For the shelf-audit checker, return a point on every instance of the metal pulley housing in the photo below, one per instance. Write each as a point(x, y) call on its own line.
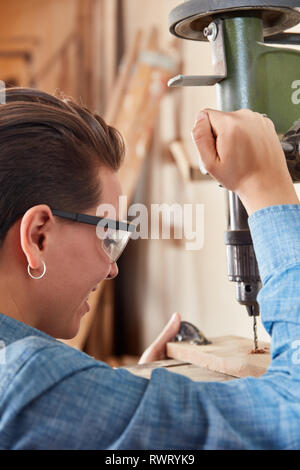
point(189, 19)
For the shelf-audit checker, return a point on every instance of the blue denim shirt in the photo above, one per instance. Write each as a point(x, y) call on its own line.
point(55, 397)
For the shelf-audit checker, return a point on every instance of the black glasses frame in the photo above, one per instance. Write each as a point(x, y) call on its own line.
point(93, 220)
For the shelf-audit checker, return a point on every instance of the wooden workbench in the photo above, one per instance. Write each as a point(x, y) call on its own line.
point(180, 367)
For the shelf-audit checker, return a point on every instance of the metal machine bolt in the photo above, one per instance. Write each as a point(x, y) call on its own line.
point(211, 31)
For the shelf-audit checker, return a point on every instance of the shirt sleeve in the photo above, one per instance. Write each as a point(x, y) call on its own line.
point(275, 232)
point(102, 408)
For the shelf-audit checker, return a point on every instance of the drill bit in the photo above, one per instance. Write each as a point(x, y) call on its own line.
point(255, 333)
point(253, 312)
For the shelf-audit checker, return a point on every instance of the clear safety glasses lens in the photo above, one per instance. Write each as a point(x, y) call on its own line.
point(113, 241)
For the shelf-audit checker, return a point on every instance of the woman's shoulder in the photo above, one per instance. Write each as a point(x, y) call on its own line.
point(41, 362)
point(48, 351)
point(25, 347)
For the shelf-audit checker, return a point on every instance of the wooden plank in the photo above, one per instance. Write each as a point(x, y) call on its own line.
point(85, 53)
point(179, 367)
point(202, 374)
point(122, 80)
point(136, 95)
point(184, 164)
point(97, 45)
point(140, 107)
point(227, 355)
point(178, 152)
point(109, 25)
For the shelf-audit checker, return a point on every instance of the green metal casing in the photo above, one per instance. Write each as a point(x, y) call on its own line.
point(260, 77)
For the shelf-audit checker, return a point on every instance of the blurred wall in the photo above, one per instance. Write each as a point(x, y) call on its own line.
point(32, 34)
point(60, 45)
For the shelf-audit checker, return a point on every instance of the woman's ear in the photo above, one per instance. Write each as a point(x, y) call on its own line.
point(34, 228)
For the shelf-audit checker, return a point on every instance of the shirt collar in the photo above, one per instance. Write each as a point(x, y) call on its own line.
point(13, 330)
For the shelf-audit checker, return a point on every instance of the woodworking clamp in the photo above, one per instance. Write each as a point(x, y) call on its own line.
point(250, 70)
point(190, 334)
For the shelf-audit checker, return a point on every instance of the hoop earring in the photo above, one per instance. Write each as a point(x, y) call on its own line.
point(38, 277)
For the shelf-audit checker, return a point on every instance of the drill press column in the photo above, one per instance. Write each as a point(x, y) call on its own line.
point(241, 90)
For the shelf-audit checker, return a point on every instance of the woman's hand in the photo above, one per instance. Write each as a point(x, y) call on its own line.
point(242, 151)
point(157, 350)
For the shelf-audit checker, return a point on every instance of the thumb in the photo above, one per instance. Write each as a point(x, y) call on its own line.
point(170, 330)
point(205, 141)
point(157, 350)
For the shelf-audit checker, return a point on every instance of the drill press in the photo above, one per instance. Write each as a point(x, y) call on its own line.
point(248, 73)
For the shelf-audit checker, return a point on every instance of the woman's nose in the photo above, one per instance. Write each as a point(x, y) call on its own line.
point(114, 271)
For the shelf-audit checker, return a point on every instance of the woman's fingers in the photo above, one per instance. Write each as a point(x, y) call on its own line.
point(242, 151)
point(205, 140)
point(157, 350)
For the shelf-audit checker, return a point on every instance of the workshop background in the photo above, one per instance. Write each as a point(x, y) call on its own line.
point(115, 57)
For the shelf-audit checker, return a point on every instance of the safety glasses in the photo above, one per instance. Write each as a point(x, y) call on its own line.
point(113, 234)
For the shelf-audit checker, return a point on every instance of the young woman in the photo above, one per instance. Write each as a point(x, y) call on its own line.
point(57, 160)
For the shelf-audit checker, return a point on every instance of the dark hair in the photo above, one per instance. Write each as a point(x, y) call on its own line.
point(50, 151)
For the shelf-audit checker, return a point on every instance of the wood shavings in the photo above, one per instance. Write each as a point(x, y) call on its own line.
point(263, 350)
